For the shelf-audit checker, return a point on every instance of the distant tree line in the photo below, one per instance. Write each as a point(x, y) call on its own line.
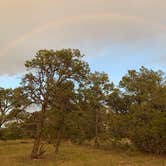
point(79, 105)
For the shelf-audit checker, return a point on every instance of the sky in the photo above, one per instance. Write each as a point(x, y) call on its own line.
point(114, 35)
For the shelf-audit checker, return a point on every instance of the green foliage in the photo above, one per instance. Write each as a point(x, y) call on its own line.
point(149, 129)
point(12, 131)
point(77, 105)
point(47, 84)
point(145, 119)
point(118, 126)
point(12, 103)
point(93, 96)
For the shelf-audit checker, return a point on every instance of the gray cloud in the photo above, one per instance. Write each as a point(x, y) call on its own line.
point(93, 26)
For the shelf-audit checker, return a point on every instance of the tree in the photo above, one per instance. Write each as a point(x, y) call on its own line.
point(12, 102)
point(144, 86)
point(94, 93)
point(6, 96)
point(48, 70)
point(119, 102)
point(59, 116)
point(146, 90)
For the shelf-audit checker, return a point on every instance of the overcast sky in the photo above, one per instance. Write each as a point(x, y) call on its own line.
point(115, 35)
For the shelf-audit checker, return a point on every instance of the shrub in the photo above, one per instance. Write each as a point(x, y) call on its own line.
point(148, 130)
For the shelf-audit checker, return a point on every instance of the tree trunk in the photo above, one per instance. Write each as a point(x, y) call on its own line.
point(96, 130)
point(37, 147)
point(58, 141)
point(59, 135)
point(1, 135)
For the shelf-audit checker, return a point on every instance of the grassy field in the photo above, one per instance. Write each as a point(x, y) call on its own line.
point(15, 153)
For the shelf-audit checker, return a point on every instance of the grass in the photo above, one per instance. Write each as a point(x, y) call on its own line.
point(15, 153)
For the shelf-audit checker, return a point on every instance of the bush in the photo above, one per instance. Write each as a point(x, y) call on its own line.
point(11, 132)
point(148, 130)
point(119, 125)
point(143, 126)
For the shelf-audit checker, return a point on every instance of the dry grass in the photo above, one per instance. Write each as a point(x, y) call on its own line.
point(15, 153)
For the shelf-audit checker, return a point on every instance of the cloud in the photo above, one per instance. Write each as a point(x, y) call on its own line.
point(94, 26)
